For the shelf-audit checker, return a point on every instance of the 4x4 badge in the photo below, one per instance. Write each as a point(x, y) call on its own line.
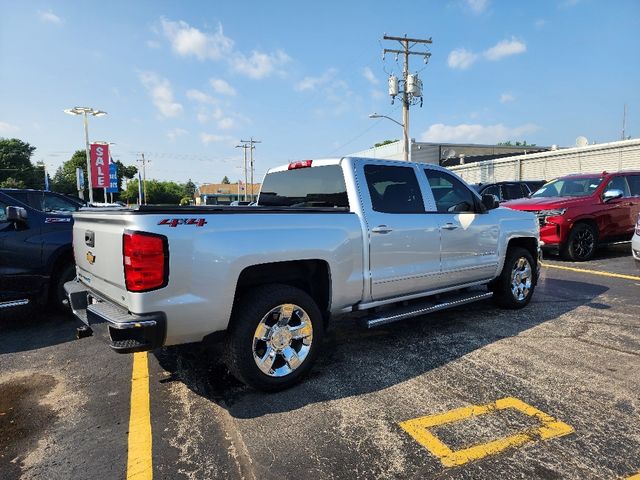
point(91, 258)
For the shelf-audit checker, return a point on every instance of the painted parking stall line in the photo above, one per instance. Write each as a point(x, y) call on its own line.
point(419, 429)
point(139, 460)
point(593, 272)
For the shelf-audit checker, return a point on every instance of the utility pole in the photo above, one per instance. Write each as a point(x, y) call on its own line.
point(624, 121)
point(412, 85)
point(250, 144)
point(144, 176)
point(244, 149)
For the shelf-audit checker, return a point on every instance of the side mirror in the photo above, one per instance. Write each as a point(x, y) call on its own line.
point(17, 215)
point(612, 194)
point(490, 201)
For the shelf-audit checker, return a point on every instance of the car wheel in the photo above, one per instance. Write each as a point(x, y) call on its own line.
point(514, 287)
point(274, 337)
point(58, 297)
point(581, 244)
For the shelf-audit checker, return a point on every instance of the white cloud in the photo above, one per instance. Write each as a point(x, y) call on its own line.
point(377, 94)
point(477, 6)
point(505, 48)
point(153, 44)
point(475, 133)
point(189, 41)
point(370, 76)
point(49, 17)
point(259, 65)
point(311, 83)
point(222, 87)
point(208, 138)
point(200, 97)
point(202, 117)
point(461, 59)
point(507, 97)
point(8, 129)
point(226, 123)
point(161, 94)
point(541, 22)
point(176, 132)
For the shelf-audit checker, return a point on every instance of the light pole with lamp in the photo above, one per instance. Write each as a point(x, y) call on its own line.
point(85, 111)
point(405, 134)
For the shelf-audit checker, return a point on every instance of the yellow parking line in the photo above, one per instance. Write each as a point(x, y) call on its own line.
point(634, 477)
point(139, 465)
point(418, 428)
point(593, 272)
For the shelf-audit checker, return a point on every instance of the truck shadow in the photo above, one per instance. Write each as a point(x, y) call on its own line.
point(32, 327)
point(356, 361)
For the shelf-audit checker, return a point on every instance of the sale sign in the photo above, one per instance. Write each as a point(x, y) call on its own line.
point(99, 155)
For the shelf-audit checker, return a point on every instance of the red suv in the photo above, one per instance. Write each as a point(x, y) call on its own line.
point(578, 212)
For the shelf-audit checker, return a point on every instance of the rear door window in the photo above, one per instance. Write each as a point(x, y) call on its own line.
point(393, 189)
point(511, 191)
point(53, 203)
point(619, 183)
point(305, 187)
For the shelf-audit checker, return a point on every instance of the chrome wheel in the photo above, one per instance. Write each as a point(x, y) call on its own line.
point(282, 340)
point(521, 278)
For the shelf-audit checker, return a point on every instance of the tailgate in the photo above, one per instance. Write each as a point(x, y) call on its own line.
point(97, 247)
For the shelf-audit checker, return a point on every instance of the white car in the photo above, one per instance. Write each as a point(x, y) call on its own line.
point(635, 243)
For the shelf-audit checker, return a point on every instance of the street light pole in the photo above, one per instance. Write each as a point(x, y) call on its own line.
point(85, 112)
point(405, 133)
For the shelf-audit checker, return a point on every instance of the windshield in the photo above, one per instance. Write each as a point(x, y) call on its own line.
point(569, 187)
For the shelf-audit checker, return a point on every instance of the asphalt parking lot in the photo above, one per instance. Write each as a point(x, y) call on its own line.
point(551, 391)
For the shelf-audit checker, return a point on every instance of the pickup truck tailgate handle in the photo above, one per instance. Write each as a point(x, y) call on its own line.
point(449, 226)
point(381, 229)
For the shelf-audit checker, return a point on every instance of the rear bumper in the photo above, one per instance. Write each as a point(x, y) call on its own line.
point(128, 332)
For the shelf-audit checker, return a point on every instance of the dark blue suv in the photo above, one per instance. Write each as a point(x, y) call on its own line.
point(36, 257)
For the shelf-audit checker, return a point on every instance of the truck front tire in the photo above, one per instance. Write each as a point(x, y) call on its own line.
point(514, 287)
point(274, 337)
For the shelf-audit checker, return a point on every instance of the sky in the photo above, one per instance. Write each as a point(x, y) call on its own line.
point(185, 81)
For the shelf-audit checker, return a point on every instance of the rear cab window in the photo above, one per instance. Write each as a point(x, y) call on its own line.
point(322, 186)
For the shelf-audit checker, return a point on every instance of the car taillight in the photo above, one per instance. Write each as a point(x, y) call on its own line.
point(146, 261)
point(300, 164)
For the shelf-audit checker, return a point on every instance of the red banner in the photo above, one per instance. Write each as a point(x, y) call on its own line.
point(99, 155)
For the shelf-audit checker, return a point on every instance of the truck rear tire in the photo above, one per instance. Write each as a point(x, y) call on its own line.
point(514, 287)
point(274, 337)
point(57, 296)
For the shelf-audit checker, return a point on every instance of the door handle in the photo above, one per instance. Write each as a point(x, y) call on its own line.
point(449, 226)
point(381, 229)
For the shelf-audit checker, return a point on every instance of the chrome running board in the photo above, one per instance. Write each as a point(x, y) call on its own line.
point(423, 308)
point(14, 303)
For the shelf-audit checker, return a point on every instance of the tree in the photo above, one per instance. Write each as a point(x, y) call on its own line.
point(169, 193)
point(16, 169)
point(225, 180)
point(386, 142)
point(125, 171)
point(64, 180)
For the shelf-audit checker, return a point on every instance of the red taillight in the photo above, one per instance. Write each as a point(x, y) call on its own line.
point(146, 261)
point(300, 164)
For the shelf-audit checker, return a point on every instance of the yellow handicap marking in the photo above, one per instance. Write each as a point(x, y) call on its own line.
point(418, 428)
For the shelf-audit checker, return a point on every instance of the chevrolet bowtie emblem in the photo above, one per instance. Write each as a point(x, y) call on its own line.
point(91, 258)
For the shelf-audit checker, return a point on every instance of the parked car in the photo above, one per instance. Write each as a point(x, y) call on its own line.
point(505, 191)
point(579, 212)
point(327, 237)
point(35, 246)
point(635, 243)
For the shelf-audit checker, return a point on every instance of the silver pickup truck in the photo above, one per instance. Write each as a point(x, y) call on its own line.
point(389, 239)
